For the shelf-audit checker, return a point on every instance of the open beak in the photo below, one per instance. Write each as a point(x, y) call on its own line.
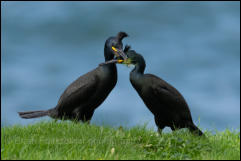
point(120, 57)
point(119, 52)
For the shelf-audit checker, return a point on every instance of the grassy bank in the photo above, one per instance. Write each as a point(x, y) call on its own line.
point(65, 140)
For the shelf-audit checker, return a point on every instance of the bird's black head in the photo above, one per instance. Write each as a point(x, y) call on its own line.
point(133, 57)
point(113, 46)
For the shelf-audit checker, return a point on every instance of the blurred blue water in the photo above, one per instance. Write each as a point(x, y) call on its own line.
point(195, 46)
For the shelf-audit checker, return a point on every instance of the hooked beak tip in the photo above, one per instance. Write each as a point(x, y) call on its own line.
point(120, 61)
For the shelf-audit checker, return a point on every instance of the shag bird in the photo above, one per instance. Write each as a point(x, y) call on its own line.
point(80, 99)
point(164, 101)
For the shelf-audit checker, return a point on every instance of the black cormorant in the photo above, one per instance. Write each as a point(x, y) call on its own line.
point(163, 100)
point(80, 99)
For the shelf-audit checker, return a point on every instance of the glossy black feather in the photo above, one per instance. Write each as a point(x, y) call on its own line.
point(164, 101)
point(81, 98)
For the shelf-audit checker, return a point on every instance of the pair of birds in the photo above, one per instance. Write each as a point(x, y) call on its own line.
point(80, 99)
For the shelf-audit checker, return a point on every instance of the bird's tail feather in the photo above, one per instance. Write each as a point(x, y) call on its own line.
point(193, 128)
point(33, 114)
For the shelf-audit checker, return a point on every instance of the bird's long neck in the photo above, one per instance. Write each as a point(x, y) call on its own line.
point(139, 68)
point(107, 53)
point(137, 73)
point(111, 67)
point(109, 56)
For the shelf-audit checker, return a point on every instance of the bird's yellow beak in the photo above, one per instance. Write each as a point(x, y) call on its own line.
point(126, 62)
point(120, 61)
point(113, 48)
point(115, 51)
point(119, 52)
point(121, 57)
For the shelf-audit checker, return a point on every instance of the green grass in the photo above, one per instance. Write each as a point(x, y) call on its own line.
point(66, 140)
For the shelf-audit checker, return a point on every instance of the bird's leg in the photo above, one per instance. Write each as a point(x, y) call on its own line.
point(159, 125)
point(88, 122)
point(173, 128)
point(159, 130)
point(85, 119)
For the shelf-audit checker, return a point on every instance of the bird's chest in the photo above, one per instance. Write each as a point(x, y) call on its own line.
point(106, 83)
point(145, 91)
point(141, 88)
point(108, 79)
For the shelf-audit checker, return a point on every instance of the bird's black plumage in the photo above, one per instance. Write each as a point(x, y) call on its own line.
point(84, 95)
point(163, 100)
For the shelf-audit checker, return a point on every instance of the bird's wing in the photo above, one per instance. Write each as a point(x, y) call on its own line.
point(161, 87)
point(167, 94)
point(80, 90)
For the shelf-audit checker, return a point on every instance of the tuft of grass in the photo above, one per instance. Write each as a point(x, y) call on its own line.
point(68, 140)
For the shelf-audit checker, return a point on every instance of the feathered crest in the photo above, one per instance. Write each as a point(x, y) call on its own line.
point(121, 35)
point(127, 48)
